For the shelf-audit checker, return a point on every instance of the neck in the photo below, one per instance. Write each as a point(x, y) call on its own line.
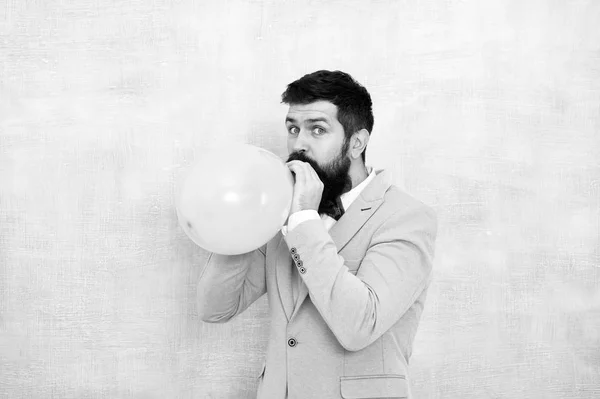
point(358, 173)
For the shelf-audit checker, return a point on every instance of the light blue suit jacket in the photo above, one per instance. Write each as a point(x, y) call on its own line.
point(350, 334)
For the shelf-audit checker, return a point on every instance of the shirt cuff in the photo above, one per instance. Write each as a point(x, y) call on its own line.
point(298, 217)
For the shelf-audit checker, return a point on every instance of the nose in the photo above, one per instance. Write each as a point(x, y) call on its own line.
point(300, 143)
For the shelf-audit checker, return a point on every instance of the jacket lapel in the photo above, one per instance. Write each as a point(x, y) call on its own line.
point(353, 219)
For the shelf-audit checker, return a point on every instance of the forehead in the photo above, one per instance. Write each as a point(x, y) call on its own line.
point(317, 109)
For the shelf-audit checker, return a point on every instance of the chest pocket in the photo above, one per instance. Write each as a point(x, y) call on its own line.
point(389, 386)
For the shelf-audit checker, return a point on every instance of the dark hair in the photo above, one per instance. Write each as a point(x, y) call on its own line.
point(351, 98)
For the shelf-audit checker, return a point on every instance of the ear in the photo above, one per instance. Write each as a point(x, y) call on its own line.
point(359, 142)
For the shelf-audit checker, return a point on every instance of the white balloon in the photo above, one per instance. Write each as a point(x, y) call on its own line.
point(234, 199)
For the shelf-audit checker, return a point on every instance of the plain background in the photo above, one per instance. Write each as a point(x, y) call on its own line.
point(487, 110)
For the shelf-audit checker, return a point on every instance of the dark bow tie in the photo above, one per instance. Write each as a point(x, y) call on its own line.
point(333, 208)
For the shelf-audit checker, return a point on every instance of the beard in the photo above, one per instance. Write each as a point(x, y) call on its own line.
point(334, 175)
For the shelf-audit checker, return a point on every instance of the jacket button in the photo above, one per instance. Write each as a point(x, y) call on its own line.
point(296, 257)
point(302, 270)
point(299, 263)
point(292, 342)
point(293, 250)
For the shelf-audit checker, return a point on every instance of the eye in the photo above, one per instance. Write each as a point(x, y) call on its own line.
point(293, 130)
point(318, 130)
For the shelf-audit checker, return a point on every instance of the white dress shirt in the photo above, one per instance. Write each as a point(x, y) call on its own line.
point(298, 217)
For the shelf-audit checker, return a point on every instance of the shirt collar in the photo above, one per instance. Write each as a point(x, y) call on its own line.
point(349, 197)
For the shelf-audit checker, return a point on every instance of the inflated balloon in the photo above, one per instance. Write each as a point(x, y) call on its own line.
point(234, 199)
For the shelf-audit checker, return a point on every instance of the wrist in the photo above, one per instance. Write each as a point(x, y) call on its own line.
point(303, 208)
point(301, 216)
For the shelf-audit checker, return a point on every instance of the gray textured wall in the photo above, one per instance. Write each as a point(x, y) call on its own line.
point(487, 110)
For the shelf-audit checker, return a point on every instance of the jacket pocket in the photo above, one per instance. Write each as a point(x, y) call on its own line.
point(389, 386)
point(260, 381)
point(262, 370)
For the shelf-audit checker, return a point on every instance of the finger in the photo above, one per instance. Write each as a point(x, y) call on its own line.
point(299, 171)
point(295, 162)
point(309, 175)
point(311, 172)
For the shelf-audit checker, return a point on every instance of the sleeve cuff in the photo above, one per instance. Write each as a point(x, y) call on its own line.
point(298, 217)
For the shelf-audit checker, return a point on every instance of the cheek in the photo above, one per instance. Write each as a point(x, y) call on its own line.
point(324, 159)
point(332, 152)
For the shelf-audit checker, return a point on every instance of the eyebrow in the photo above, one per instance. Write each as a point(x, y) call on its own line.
point(312, 120)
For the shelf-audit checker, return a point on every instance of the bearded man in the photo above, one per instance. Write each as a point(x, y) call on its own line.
point(347, 276)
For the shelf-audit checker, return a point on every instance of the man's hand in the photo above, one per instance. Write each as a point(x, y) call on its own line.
point(308, 188)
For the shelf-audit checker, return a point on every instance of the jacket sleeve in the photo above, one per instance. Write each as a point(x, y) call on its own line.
point(394, 271)
point(229, 284)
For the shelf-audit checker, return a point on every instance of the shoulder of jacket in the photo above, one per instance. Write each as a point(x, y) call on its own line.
point(398, 200)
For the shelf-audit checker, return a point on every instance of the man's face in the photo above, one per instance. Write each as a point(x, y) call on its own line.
point(316, 136)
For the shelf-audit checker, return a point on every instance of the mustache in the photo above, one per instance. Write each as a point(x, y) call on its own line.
point(298, 156)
